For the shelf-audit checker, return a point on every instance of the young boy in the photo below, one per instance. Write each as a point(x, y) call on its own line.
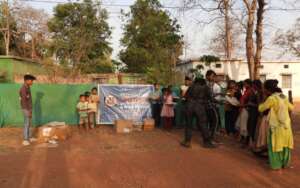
point(94, 95)
point(82, 108)
point(94, 106)
point(26, 105)
point(90, 110)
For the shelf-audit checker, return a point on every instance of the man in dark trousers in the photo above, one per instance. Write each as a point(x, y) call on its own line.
point(197, 98)
point(183, 90)
point(26, 105)
point(212, 110)
point(155, 99)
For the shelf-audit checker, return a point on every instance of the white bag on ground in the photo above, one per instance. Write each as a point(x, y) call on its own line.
point(55, 123)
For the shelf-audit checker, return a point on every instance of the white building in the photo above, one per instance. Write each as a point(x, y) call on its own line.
point(287, 73)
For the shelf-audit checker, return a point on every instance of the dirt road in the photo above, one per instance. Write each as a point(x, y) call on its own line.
point(101, 159)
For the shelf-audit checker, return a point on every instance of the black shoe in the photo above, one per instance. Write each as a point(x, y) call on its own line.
point(209, 145)
point(186, 144)
point(216, 142)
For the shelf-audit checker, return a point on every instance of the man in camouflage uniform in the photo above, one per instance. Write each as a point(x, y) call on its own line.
point(197, 98)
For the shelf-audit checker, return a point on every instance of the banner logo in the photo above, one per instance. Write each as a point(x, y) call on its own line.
point(110, 101)
point(124, 102)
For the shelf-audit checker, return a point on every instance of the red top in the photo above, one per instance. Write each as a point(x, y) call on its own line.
point(245, 97)
point(25, 96)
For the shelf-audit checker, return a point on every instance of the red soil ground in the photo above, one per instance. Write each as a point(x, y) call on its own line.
point(101, 158)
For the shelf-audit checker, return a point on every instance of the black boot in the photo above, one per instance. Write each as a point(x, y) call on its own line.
point(209, 145)
point(186, 144)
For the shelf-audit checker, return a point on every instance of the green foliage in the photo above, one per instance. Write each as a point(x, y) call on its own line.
point(80, 35)
point(118, 66)
point(208, 59)
point(192, 70)
point(100, 66)
point(197, 72)
point(159, 73)
point(151, 39)
point(199, 67)
point(3, 77)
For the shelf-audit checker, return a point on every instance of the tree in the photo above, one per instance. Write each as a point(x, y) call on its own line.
point(2, 46)
point(218, 43)
point(33, 23)
point(24, 24)
point(118, 66)
point(80, 34)
point(254, 50)
point(255, 10)
point(6, 22)
point(219, 11)
point(228, 29)
point(197, 72)
point(9, 39)
point(208, 59)
point(259, 37)
point(103, 66)
point(152, 43)
point(251, 6)
point(289, 40)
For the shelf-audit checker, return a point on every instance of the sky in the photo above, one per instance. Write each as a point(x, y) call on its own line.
point(197, 36)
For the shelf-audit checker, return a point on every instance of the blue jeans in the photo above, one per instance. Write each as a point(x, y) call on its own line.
point(27, 124)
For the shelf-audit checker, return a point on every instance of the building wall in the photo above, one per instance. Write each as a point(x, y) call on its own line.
point(238, 70)
point(277, 70)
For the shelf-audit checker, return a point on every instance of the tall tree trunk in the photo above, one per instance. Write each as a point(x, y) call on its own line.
point(7, 42)
point(33, 52)
point(7, 34)
point(259, 37)
point(228, 38)
point(249, 36)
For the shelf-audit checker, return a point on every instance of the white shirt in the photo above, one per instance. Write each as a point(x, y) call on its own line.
point(217, 90)
point(184, 89)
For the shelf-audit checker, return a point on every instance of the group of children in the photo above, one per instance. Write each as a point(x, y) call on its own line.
point(259, 114)
point(255, 113)
point(87, 108)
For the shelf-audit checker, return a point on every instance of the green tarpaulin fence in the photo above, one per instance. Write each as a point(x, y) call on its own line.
point(51, 102)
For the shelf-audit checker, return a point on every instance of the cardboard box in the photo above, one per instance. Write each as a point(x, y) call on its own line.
point(138, 127)
point(58, 133)
point(149, 125)
point(123, 126)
